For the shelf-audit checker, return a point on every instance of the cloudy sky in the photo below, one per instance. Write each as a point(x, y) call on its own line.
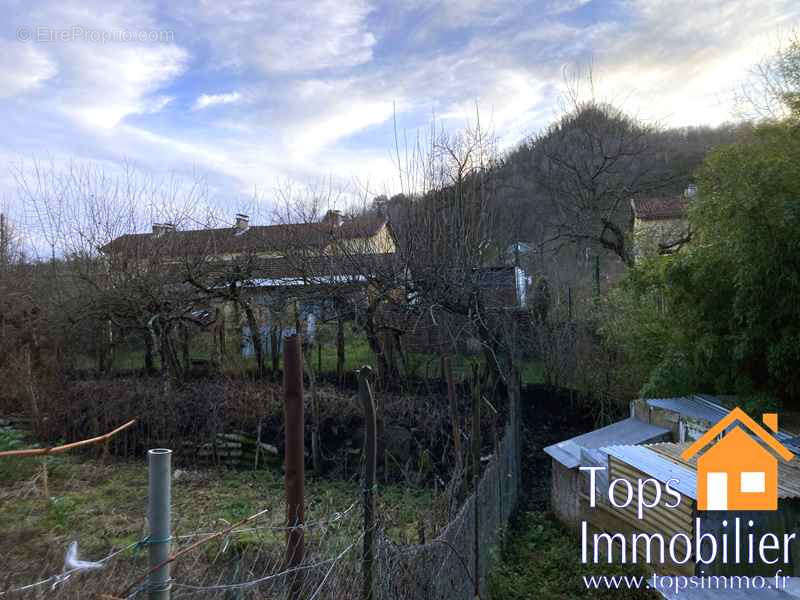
point(254, 93)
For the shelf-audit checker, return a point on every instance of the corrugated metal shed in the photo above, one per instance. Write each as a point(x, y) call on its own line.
point(699, 412)
point(697, 406)
point(637, 463)
point(788, 472)
point(627, 431)
point(657, 466)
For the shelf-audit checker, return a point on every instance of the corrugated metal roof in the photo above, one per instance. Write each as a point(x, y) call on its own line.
point(657, 466)
point(788, 472)
point(790, 593)
point(696, 406)
point(627, 431)
point(710, 409)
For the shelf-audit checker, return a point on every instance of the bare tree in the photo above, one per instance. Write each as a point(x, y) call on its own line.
point(584, 170)
point(109, 274)
point(772, 90)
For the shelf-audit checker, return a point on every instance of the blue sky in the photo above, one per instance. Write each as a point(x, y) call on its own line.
point(253, 94)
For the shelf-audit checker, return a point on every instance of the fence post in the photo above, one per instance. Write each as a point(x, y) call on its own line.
point(476, 470)
point(597, 275)
point(451, 397)
point(340, 350)
point(295, 467)
point(159, 462)
point(369, 478)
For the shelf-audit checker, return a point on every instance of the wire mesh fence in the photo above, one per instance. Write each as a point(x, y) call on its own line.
point(250, 560)
point(245, 562)
point(452, 565)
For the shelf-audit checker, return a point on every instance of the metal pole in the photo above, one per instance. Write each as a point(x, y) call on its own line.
point(369, 478)
point(295, 467)
point(160, 515)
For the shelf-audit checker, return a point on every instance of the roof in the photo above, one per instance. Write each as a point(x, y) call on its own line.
point(654, 209)
point(657, 466)
point(737, 414)
point(788, 472)
point(696, 406)
point(232, 240)
point(709, 408)
point(627, 431)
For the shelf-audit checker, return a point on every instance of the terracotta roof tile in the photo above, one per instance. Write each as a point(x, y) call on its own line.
point(229, 240)
point(653, 209)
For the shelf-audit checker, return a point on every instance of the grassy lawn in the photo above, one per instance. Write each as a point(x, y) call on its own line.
point(541, 559)
point(103, 507)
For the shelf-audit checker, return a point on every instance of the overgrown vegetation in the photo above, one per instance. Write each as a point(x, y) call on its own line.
point(540, 559)
point(103, 506)
point(722, 316)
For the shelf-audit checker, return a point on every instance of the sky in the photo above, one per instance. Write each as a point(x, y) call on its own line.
point(252, 95)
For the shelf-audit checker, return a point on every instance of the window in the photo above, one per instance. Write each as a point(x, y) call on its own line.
point(753, 482)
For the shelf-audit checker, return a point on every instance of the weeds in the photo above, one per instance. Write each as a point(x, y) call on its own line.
point(540, 559)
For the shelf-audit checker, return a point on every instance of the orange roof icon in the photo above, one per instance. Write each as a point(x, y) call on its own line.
point(737, 414)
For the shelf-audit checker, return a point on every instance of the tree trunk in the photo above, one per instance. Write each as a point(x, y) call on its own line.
point(275, 350)
point(149, 366)
point(316, 459)
point(169, 358)
point(219, 340)
point(373, 339)
point(398, 342)
point(255, 336)
point(187, 362)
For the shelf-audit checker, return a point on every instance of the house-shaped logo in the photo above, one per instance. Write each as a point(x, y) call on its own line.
point(738, 472)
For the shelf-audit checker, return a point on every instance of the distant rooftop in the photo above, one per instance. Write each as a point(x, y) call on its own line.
point(654, 209)
point(245, 237)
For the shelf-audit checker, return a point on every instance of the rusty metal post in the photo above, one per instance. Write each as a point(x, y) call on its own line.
point(295, 467)
point(371, 449)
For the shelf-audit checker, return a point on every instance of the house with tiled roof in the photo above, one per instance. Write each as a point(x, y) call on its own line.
point(270, 265)
point(660, 224)
point(331, 235)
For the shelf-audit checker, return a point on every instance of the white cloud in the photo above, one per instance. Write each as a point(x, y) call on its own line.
point(23, 68)
point(250, 92)
point(206, 100)
point(283, 36)
point(90, 95)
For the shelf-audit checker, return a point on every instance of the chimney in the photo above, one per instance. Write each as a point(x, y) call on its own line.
point(242, 222)
point(333, 217)
point(771, 421)
point(160, 229)
point(691, 191)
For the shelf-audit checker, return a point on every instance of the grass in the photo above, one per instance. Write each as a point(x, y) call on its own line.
point(357, 354)
point(103, 506)
point(541, 559)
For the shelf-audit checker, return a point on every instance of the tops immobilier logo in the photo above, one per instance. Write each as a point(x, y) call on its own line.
point(739, 471)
